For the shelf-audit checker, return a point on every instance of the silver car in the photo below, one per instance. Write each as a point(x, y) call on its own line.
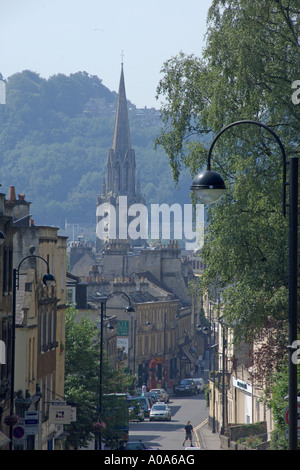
point(160, 412)
point(161, 392)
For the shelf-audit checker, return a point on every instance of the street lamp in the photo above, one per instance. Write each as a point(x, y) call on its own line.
point(208, 187)
point(48, 280)
point(128, 309)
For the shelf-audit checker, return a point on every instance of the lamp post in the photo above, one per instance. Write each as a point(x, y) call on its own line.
point(209, 187)
point(129, 309)
point(224, 370)
point(48, 279)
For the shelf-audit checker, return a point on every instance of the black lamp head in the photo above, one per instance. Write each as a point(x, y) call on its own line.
point(208, 187)
point(130, 309)
point(48, 279)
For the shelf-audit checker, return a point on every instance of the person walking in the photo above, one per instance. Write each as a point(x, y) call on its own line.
point(188, 433)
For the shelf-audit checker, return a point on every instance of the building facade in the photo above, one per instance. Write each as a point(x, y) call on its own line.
point(37, 353)
point(6, 319)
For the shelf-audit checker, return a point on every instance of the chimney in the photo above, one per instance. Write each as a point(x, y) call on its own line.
point(12, 194)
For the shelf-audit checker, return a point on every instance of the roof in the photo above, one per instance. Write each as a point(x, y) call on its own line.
point(137, 297)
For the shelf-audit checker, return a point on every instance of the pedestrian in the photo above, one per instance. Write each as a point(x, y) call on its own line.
point(144, 389)
point(188, 433)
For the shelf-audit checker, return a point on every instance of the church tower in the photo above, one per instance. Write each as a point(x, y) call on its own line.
point(121, 157)
point(121, 169)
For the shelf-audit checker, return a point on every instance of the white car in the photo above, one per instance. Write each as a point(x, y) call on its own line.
point(200, 384)
point(163, 395)
point(160, 412)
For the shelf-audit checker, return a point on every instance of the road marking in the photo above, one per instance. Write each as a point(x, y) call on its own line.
point(196, 429)
point(201, 425)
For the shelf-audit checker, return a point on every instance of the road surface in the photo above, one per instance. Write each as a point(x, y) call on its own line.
point(162, 435)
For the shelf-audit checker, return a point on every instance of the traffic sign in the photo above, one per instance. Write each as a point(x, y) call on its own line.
point(18, 432)
point(286, 416)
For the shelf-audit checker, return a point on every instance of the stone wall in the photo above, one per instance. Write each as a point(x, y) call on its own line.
point(235, 433)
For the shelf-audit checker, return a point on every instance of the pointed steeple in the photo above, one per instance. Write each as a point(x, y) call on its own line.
point(121, 139)
point(121, 157)
point(120, 179)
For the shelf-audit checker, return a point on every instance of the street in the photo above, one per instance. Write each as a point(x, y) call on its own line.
point(170, 435)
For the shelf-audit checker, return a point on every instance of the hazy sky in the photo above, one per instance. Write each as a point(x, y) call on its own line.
point(68, 36)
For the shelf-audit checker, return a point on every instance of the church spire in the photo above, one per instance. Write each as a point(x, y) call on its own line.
point(121, 138)
point(120, 178)
point(121, 157)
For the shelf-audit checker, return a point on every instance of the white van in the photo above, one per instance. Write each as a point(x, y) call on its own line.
point(200, 384)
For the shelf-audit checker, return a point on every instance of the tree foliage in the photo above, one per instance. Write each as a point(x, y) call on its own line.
point(276, 398)
point(248, 66)
point(82, 371)
point(55, 153)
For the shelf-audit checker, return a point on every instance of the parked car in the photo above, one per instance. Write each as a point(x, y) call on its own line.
point(136, 412)
point(145, 404)
point(153, 397)
point(156, 394)
point(160, 412)
point(135, 445)
point(163, 395)
point(200, 384)
point(186, 387)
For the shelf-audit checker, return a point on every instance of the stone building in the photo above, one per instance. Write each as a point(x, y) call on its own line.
point(6, 319)
point(39, 327)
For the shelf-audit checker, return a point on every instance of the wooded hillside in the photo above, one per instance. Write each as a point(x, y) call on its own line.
point(54, 149)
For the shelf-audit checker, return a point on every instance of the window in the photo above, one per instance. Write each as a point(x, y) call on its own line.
point(70, 295)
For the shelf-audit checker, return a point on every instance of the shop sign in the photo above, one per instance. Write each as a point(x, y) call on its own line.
point(123, 328)
point(60, 413)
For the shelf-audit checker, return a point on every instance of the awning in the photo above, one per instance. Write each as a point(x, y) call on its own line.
point(4, 440)
point(188, 354)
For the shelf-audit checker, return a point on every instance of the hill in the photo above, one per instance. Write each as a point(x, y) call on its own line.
point(54, 138)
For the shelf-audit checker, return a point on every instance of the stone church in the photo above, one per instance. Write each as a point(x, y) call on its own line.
point(120, 179)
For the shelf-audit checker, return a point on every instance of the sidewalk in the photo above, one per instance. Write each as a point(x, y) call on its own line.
point(208, 439)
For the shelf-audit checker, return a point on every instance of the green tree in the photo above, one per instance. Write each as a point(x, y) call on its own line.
point(82, 377)
point(249, 63)
point(276, 398)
